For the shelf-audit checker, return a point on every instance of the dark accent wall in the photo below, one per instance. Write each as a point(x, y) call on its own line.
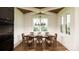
point(6, 28)
point(7, 13)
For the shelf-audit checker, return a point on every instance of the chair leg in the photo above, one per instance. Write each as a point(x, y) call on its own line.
point(23, 46)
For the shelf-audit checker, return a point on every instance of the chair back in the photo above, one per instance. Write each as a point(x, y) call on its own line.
point(31, 33)
point(46, 34)
point(56, 36)
point(22, 35)
point(39, 38)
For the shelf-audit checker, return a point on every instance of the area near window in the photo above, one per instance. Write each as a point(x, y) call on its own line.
point(68, 24)
point(40, 25)
point(62, 23)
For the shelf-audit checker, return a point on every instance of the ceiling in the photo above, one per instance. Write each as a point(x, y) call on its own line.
point(24, 10)
point(56, 10)
point(43, 9)
point(40, 7)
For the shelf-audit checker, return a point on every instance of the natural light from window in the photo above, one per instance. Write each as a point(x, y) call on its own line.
point(62, 23)
point(68, 24)
point(40, 25)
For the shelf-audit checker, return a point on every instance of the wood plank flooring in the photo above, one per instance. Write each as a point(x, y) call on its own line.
point(59, 47)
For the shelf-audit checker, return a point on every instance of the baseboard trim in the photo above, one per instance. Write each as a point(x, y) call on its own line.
point(15, 45)
point(63, 45)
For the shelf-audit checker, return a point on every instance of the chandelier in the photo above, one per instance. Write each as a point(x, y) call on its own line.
point(40, 17)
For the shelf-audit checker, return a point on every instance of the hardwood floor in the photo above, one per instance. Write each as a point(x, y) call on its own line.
point(59, 47)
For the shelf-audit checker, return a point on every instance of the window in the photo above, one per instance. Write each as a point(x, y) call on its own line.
point(40, 24)
point(44, 24)
point(68, 24)
point(36, 26)
point(62, 23)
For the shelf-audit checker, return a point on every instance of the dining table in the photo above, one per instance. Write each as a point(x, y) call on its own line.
point(44, 37)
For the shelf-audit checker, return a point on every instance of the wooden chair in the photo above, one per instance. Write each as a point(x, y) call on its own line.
point(24, 41)
point(55, 40)
point(30, 41)
point(48, 41)
point(22, 35)
point(46, 33)
point(39, 41)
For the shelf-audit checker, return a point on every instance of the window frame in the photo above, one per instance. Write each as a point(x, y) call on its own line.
point(62, 24)
point(68, 25)
point(40, 25)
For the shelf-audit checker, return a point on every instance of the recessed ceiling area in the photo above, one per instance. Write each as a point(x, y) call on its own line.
point(24, 10)
point(56, 10)
point(38, 9)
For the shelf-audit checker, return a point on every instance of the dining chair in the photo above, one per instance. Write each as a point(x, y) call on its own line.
point(24, 41)
point(31, 34)
point(55, 40)
point(30, 41)
point(39, 42)
point(48, 41)
point(22, 35)
point(46, 33)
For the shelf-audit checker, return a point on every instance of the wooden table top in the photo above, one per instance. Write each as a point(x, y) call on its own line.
point(38, 36)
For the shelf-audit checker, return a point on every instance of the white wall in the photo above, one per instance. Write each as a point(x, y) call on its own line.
point(76, 36)
point(52, 22)
point(28, 23)
point(18, 26)
point(69, 41)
